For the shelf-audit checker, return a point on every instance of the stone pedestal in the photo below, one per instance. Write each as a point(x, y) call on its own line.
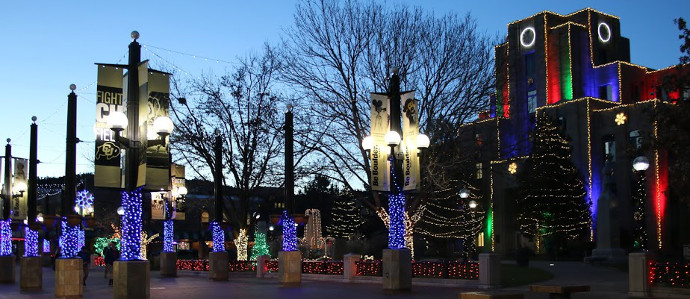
point(168, 261)
point(608, 256)
point(350, 266)
point(397, 269)
point(290, 268)
point(30, 274)
point(489, 271)
point(638, 274)
point(218, 266)
point(261, 267)
point(68, 278)
point(131, 279)
point(7, 269)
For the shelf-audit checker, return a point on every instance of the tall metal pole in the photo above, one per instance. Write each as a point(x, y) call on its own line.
point(218, 178)
point(70, 193)
point(289, 163)
point(33, 175)
point(6, 190)
point(395, 124)
point(132, 158)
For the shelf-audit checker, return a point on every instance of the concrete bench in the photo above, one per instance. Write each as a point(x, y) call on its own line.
point(558, 291)
point(491, 295)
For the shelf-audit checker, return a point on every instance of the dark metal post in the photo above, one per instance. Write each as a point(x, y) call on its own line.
point(395, 124)
point(8, 180)
point(133, 152)
point(289, 163)
point(218, 178)
point(33, 175)
point(70, 193)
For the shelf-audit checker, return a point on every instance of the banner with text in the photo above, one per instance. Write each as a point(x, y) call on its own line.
point(410, 127)
point(380, 170)
point(109, 98)
point(157, 155)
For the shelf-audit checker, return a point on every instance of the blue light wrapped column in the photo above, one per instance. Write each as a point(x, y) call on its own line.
point(218, 237)
point(30, 242)
point(131, 225)
point(289, 232)
point(396, 212)
point(168, 227)
point(69, 240)
point(5, 237)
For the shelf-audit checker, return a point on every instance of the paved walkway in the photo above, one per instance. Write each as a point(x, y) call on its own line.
point(605, 282)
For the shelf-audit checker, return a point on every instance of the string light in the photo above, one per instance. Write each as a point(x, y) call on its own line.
point(46, 246)
point(131, 225)
point(30, 242)
point(322, 267)
point(218, 237)
point(69, 239)
point(168, 227)
point(5, 237)
point(241, 244)
point(145, 240)
point(260, 246)
point(84, 199)
point(289, 232)
point(81, 239)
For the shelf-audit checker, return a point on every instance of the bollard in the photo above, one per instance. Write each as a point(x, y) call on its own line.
point(638, 274)
point(489, 271)
point(350, 266)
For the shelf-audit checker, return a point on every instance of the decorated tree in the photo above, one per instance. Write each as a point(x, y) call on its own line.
point(344, 218)
point(552, 203)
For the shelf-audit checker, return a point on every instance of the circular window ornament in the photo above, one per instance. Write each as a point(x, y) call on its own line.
point(528, 37)
point(604, 32)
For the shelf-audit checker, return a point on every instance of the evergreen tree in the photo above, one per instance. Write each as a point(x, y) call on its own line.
point(260, 246)
point(344, 218)
point(553, 200)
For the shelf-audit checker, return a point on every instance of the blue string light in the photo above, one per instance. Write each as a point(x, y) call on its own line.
point(81, 239)
point(30, 242)
point(218, 237)
point(5, 237)
point(131, 225)
point(69, 239)
point(168, 236)
point(289, 232)
point(46, 246)
point(84, 199)
point(396, 213)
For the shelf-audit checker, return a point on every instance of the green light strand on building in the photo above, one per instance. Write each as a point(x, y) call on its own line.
point(566, 70)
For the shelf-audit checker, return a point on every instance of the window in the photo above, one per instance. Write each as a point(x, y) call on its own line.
point(204, 217)
point(610, 147)
point(606, 92)
point(532, 101)
point(478, 139)
point(480, 239)
point(635, 139)
point(479, 171)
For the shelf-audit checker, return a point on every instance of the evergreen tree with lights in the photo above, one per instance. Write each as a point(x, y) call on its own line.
point(553, 203)
point(344, 218)
point(260, 246)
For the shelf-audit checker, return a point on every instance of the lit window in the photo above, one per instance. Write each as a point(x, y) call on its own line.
point(479, 171)
point(480, 239)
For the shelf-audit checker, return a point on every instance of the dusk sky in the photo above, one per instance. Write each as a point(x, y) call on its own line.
point(47, 45)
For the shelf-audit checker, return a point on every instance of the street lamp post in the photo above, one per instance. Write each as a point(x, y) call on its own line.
point(218, 259)
point(7, 260)
point(640, 165)
point(31, 272)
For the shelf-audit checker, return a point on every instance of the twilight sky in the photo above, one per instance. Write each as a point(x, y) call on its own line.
point(48, 45)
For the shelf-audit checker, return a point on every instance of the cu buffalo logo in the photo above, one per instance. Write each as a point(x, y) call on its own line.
point(108, 151)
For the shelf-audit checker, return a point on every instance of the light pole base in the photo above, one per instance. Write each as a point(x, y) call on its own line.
point(168, 262)
point(30, 274)
point(290, 268)
point(397, 269)
point(218, 266)
point(68, 278)
point(131, 279)
point(7, 269)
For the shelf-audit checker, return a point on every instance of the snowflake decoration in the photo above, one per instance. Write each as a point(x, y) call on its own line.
point(621, 118)
point(512, 168)
point(84, 199)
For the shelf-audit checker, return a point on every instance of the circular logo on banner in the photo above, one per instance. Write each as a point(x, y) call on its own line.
point(604, 32)
point(527, 37)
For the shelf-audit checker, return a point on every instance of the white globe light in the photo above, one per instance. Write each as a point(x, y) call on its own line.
point(163, 125)
point(271, 228)
point(182, 190)
point(117, 121)
point(473, 204)
point(392, 138)
point(367, 143)
point(20, 187)
point(39, 218)
point(641, 163)
point(464, 193)
point(422, 141)
point(120, 211)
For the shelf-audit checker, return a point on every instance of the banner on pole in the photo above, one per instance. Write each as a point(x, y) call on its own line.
point(177, 182)
point(378, 156)
point(19, 208)
point(157, 156)
point(109, 98)
point(410, 127)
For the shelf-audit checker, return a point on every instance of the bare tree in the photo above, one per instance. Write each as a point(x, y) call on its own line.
point(339, 52)
point(242, 106)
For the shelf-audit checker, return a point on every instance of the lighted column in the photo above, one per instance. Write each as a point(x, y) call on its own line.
point(31, 271)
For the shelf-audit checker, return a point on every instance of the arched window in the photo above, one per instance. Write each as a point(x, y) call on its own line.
point(204, 217)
